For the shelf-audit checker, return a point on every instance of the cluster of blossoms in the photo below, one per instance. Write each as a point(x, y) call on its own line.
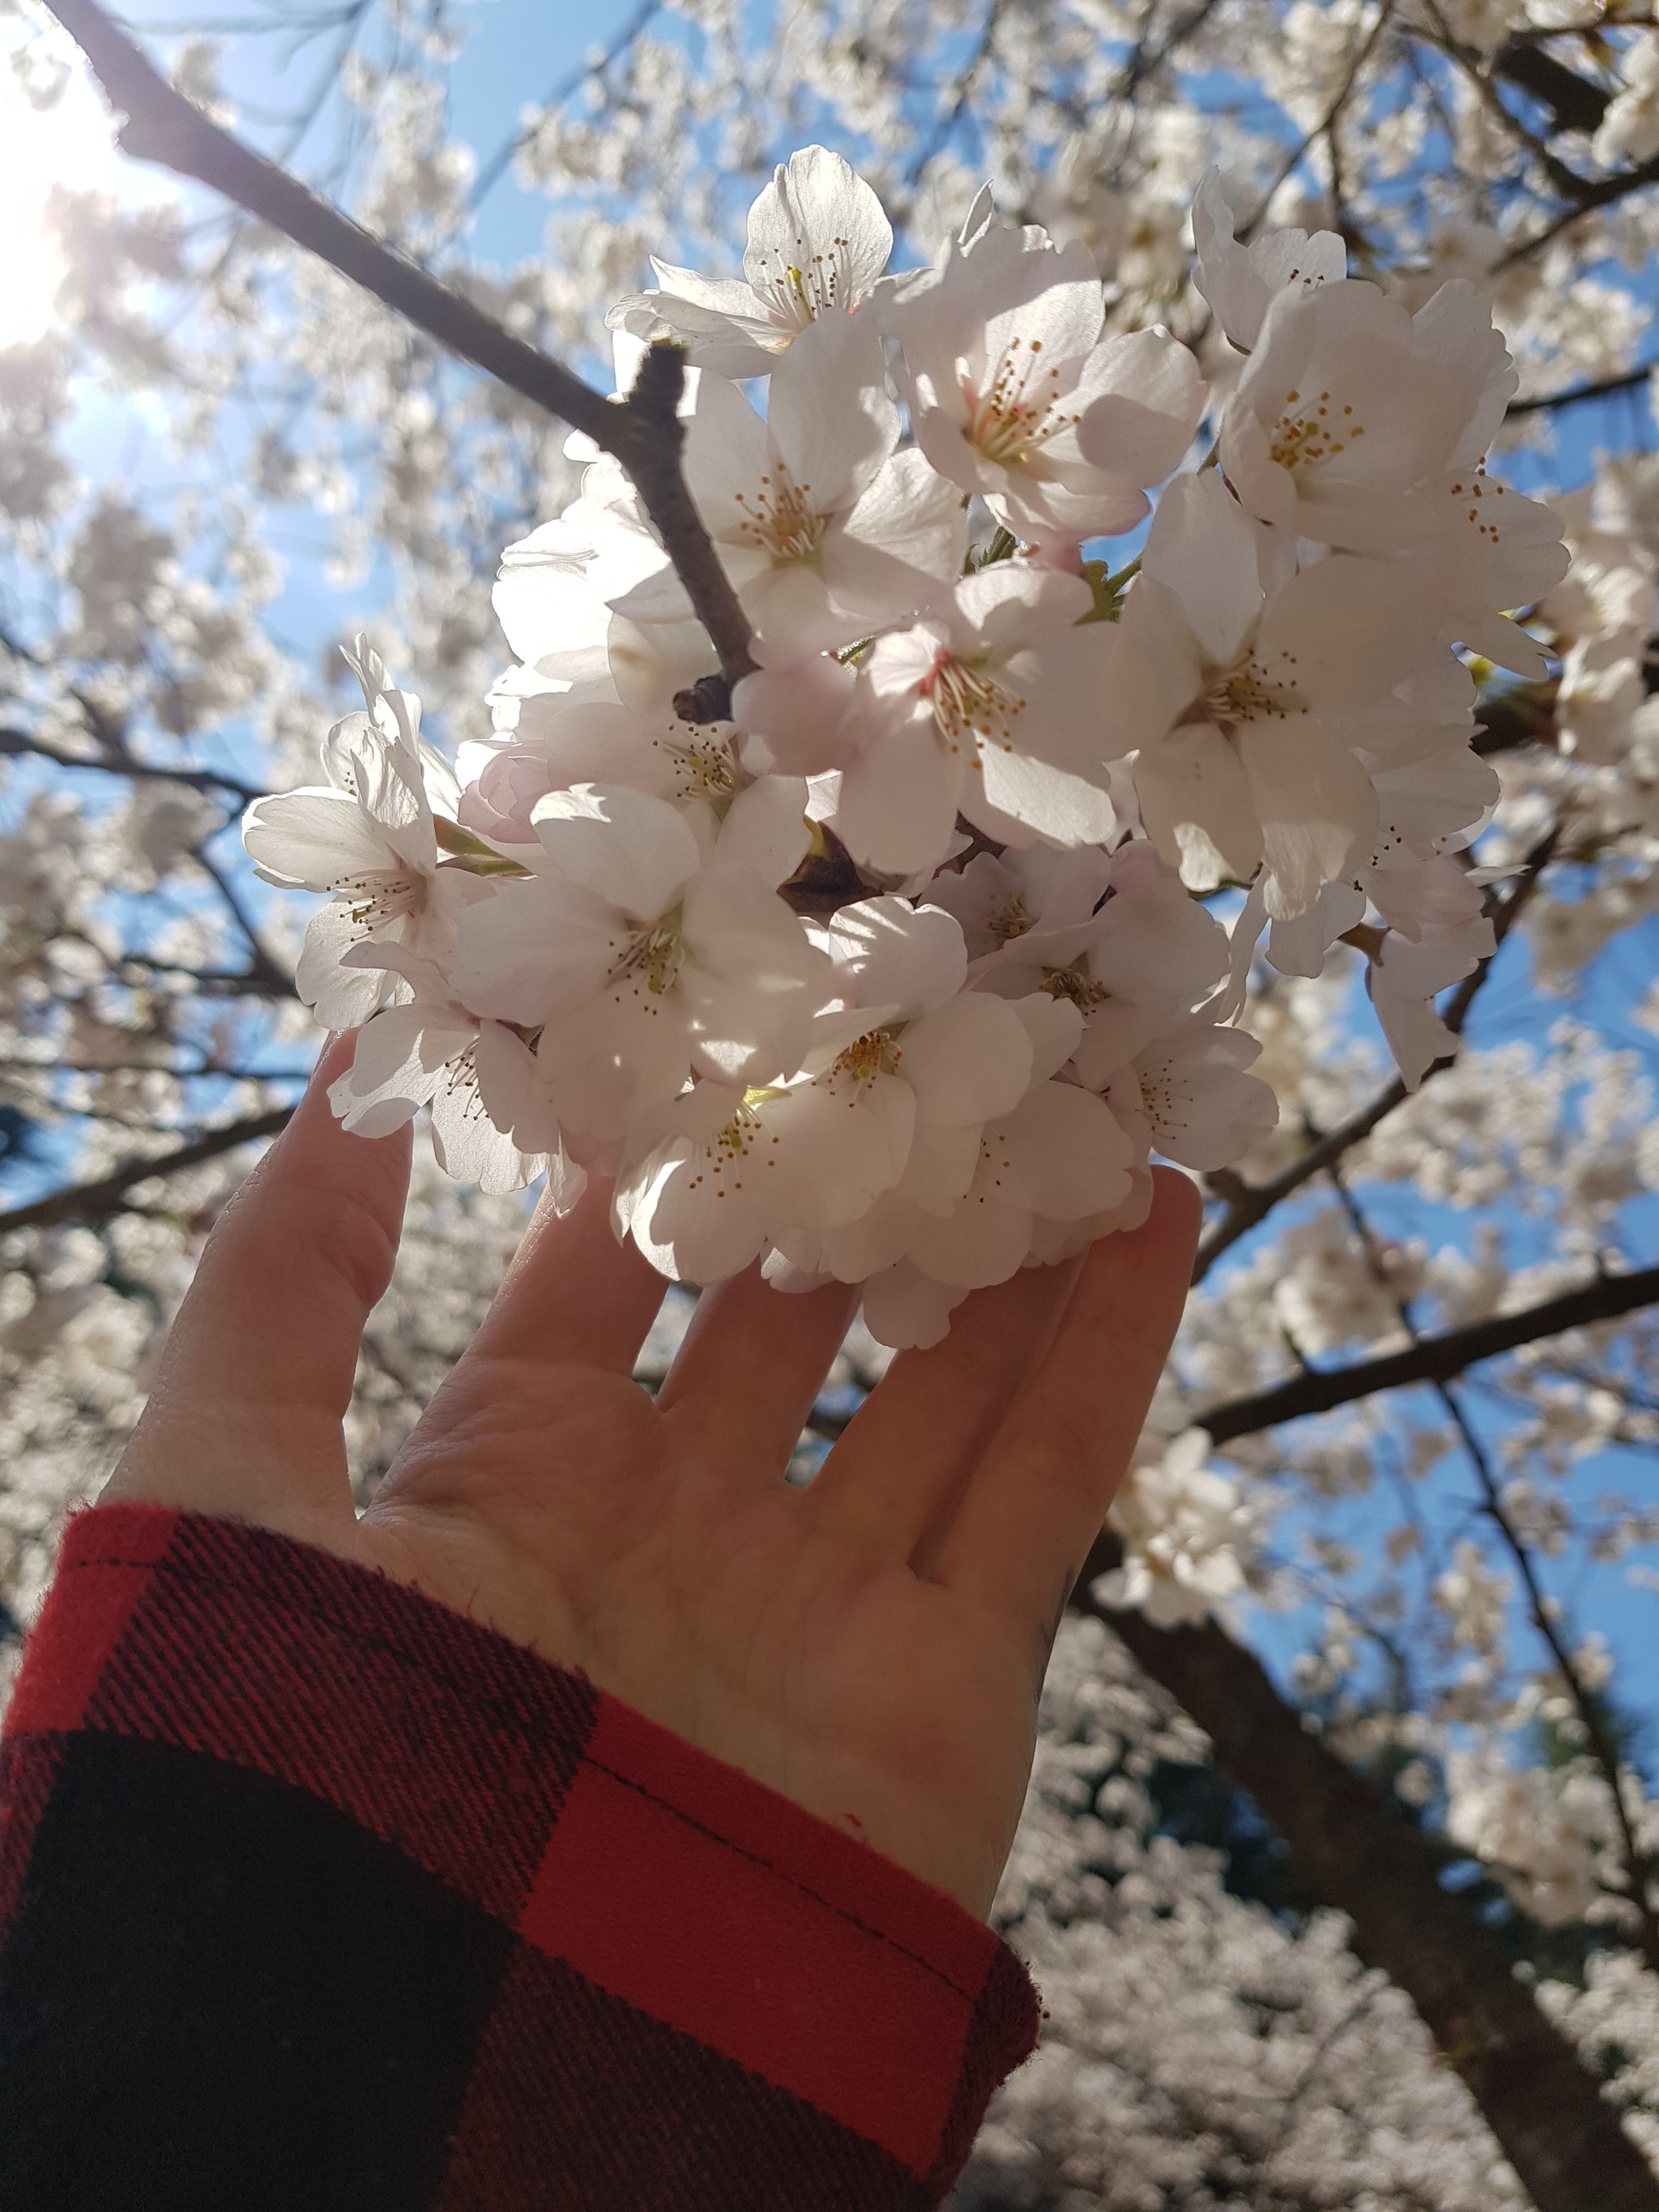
point(900, 975)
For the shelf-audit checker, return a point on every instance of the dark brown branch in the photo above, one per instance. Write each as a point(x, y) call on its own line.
point(1575, 394)
point(1574, 101)
point(13, 742)
point(96, 1201)
point(1327, 123)
point(162, 126)
point(1523, 716)
point(1601, 192)
point(1560, 2136)
point(1433, 1358)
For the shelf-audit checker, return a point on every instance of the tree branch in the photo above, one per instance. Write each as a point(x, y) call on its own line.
point(1432, 1358)
point(206, 779)
point(1603, 1749)
point(641, 433)
point(1249, 1203)
point(1574, 101)
point(1575, 394)
point(1362, 1857)
point(96, 1201)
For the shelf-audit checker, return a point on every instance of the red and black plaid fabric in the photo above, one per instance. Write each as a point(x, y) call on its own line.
point(315, 1895)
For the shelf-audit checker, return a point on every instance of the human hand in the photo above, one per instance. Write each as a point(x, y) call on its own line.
point(872, 1646)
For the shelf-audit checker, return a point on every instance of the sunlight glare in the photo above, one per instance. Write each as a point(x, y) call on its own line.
point(71, 143)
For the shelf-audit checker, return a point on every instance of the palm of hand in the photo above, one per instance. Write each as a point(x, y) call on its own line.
point(870, 1646)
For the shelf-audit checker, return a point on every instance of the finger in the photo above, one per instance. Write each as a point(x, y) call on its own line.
point(245, 1414)
point(913, 1443)
point(574, 1296)
point(753, 1361)
point(1037, 1499)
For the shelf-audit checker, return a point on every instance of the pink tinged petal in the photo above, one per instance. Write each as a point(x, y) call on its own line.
point(1405, 979)
point(1054, 804)
point(939, 434)
point(1316, 805)
point(898, 801)
point(819, 216)
point(343, 998)
point(467, 1141)
point(877, 1239)
point(1067, 679)
point(1203, 548)
point(736, 1036)
point(1157, 674)
point(1196, 804)
point(727, 451)
point(983, 1239)
point(799, 711)
point(1343, 632)
point(607, 1061)
point(543, 601)
point(794, 612)
point(888, 952)
point(1504, 641)
point(892, 673)
point(1054, 313)
point(532, 946)
point(727, 297)
point(1299, 947)
point(398, 1062)
point(1055, 1029)
point(1060, 1153)
point(1004, 604)
point(314, 840)
point(907, 1310)
point(734, 924)
point(830, 419)
point(634, 851)
point(1142, 397)
point(1265, 490)
point(969, 1059)
point(944, 1159)
point(512, 1090)
point(766, 829)
point(902, 546)
point(842, 1149)
point(1204, 1110)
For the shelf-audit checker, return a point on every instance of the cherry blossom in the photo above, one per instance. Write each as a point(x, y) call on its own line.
point(818, 239)
point(1241, 282)
point(1015, 394)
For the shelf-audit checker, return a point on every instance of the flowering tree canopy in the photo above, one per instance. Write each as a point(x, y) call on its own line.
point(1137, 658)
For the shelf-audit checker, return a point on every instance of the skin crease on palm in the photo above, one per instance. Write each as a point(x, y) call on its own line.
point(870, 1646)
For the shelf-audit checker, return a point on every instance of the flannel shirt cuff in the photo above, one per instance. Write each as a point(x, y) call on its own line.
point(313, 1890)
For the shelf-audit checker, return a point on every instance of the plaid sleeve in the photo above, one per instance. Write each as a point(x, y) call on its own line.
point(314, 1893)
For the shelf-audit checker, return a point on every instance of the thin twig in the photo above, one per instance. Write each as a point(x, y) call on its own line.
point(1250, 1203)
point(1575, 394)
point(1327, 122)
point(495, 167)
point(1603, 1748)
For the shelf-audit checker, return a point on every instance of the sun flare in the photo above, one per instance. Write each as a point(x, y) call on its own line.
point(69, 144)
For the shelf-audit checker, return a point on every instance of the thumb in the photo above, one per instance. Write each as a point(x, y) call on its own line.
point(247, 1411)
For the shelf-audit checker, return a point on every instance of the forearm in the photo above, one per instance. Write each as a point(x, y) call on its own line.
point(313, 1892)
